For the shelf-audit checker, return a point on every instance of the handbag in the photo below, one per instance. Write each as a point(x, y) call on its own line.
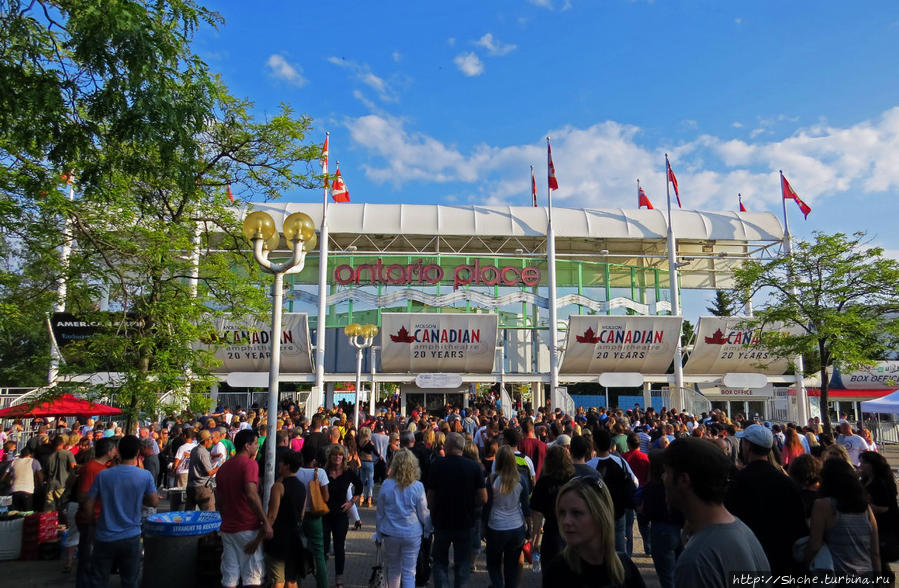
point(317, 505)
point(423, 565)
point(377, 580)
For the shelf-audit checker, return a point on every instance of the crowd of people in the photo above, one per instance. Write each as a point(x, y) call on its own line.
point(710, 495)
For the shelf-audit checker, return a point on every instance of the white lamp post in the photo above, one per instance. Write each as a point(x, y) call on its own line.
point(299, 232)
point(361, 337)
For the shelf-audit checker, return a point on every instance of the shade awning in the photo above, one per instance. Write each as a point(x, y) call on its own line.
point(65, 405)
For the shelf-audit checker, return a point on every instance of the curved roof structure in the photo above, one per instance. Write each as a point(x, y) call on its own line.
point(527, 221)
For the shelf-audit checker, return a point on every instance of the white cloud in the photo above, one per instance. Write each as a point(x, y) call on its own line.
point(737, 125)
point(281, 69)
point(597, 166)
point(363, 73)
point(397, 56)
point(469, 64)
point(738, 21)
point(451, 41)
point(493, 46)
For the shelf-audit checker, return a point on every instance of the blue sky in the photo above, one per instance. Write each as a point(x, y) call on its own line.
point(451, 102)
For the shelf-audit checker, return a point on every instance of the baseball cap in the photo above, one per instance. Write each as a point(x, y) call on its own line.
point(757, 435)
point(563, 440)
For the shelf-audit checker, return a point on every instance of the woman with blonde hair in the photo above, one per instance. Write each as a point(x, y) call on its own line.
point(402, 517)
point(336, 522)
point(508, 519)
point(586, 520)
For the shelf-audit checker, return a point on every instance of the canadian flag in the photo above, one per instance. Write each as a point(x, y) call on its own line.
point(325, 155)
point(643, 199)
point(550, 168)
point(338, 189)
point(673, 181)
point(740, 199)
point(790, 194)
point(533, 187)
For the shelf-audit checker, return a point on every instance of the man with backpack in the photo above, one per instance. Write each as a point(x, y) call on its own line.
point(621, 481)
point(512, 438)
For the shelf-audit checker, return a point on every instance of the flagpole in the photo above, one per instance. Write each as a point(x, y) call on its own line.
point(553, 312)
point(639, 204)
point(321, 330)
point(675, 298)
point(62, 286)
point(802, 403)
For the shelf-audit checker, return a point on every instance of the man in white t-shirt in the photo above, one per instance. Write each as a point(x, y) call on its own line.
point(182, 459)
point(218, 452)
point(853, 443)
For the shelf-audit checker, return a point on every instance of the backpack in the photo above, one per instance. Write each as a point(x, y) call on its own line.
point(524, 470)
point(620, 484)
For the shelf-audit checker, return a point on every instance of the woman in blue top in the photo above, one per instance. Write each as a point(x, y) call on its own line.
point(507, 515)
point(402, 517)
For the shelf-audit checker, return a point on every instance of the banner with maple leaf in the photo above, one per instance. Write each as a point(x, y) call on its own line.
point(724, 346)
point(598, 344)
point(445, 343)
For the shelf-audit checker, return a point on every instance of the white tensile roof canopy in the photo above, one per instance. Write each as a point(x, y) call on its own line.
point(710, 244)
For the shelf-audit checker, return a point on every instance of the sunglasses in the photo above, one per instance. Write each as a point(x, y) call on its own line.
point(589, 481)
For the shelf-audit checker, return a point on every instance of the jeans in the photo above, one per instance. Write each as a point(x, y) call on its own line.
point(336, 524)
point(620, 539)
point(461, 541)
point(400, 556)
point(85, 547)
point(629, 515)
point(665, 542)
point(503, 549)
point(125, 553)
point(367, 473)
point(643, 525)
point(312, 529)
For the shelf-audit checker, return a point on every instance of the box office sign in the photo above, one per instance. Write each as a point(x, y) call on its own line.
point(598, 344)
point(426, 342)
point(883, 375)
point(724, 345)
point(245, 345)
point(726, 393)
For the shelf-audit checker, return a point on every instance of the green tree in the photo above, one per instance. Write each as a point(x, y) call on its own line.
point(110, 92)
point(723, 304)
point(842, 309)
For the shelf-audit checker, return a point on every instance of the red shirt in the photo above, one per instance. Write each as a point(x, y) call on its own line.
point(85, 479)
point(231, 497)
point(639, 462)
point(536, 450)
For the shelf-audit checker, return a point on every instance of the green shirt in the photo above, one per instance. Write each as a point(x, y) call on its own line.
point(229, 447)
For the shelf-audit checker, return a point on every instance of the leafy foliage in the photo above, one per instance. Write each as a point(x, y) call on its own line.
point(839, 296)
point(109, 92)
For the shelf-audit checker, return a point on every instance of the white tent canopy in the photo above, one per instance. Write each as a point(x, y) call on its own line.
point(888, 404)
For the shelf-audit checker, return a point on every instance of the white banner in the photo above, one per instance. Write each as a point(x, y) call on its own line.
point(429, 342)
point(245, 346)
point(598, 344)
point(723, 346)
point(884, 375)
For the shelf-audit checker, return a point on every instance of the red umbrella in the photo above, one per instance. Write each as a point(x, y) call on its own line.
point(65, 405)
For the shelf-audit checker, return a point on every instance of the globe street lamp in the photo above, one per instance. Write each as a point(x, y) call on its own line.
point(299, 232)
point(361, 337)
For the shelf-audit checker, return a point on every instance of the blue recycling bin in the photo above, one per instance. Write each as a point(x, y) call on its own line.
point(171, 542)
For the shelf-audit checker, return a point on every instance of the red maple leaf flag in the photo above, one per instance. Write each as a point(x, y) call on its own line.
point(790, 194)
point(740, 200)
point(325, 155)
point(673, 181)
point(338, 189)
point(643, 199)
point(533, 187)
point(230, 195)
point(550, 168)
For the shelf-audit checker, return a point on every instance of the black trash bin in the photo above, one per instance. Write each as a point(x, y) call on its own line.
point(171, 546)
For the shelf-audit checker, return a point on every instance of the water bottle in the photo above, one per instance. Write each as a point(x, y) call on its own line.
point(535, 563)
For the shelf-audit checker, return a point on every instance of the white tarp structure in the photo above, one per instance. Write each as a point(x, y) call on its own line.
point(598, 344)
point(431, 342)
point(888, 404)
